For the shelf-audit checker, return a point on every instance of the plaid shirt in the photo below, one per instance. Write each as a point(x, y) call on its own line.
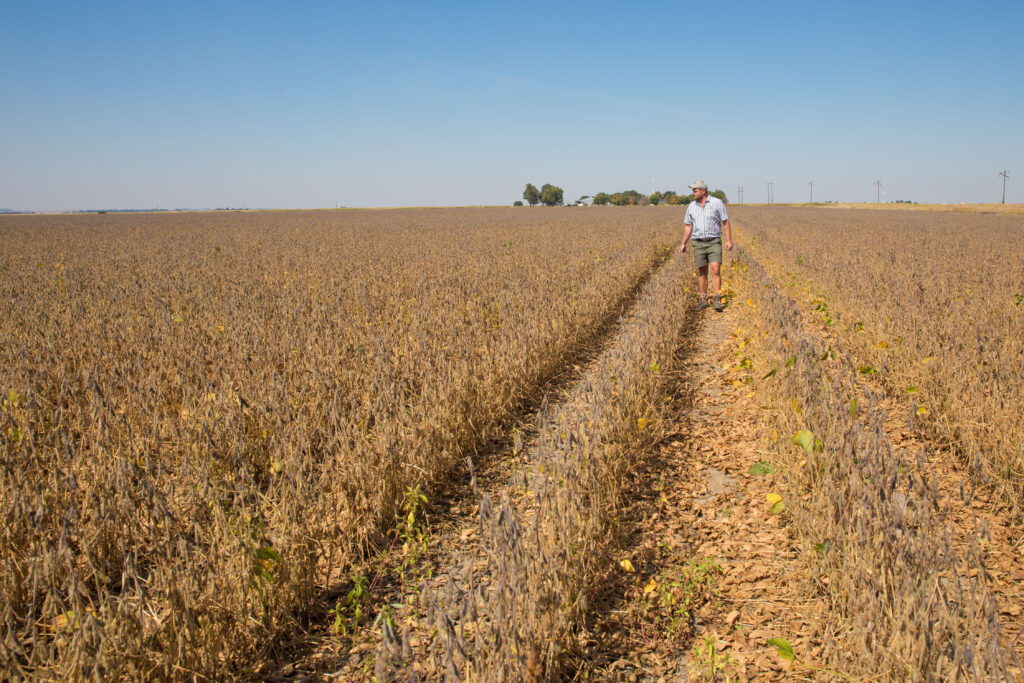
point(706, 220)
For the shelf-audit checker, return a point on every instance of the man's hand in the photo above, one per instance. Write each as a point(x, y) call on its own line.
point(682, 247)
point(728, 245)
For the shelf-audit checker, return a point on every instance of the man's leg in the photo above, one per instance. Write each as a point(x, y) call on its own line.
point(702, 287)
point(716, 284)
point(716, 278)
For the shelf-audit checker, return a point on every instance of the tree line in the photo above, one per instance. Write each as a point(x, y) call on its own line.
point(634, 198)
point(552, 195)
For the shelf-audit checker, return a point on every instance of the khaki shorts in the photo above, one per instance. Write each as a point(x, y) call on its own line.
point(707, 252)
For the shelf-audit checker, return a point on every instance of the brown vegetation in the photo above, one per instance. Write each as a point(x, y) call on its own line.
point(903, 602)
point(214, 426)
point(514, 617)
point(932, 303)
point(207, 418)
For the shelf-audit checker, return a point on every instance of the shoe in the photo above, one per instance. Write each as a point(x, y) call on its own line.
point(702, 304)
point(718, 304)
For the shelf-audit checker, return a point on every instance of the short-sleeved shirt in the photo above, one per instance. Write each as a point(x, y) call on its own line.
point(706, 220)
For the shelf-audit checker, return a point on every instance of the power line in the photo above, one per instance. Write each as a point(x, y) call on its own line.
point(812, 191)
point(771, 193)
point(739, 192)
point(878, 192)
point(1003, 173)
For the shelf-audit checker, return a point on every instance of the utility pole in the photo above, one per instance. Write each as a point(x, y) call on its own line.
point(1003, 173)
point(878, 192)
point(812, 191)
point(739, 193)
point(770, 193)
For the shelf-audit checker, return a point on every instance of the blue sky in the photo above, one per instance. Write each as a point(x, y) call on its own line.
point(279, 105)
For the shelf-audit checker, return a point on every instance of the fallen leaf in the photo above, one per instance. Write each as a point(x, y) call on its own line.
point(627, 565)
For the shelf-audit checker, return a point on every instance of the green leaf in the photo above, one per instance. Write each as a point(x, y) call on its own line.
point(264, 554)
point(868, 370)
point(777, 508)
point(759, 469)
point(790, 362)
point(824, 546)
point(804, 439)
point(770, 373)
point(853, 406)
point(825, 355)
point(783, 647)
point(1017, 299)
point(911, 390)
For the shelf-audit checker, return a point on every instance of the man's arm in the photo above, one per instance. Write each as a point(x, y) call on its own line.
point(687, 231)
point(727, 227)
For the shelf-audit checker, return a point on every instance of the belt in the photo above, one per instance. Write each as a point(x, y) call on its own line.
point(706, 239)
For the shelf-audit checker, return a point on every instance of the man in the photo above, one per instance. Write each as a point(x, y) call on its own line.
point(706, 218)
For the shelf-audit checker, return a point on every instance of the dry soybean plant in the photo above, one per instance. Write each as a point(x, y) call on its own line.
point(512, 619)
point(206, 418)
point(934, 301)
point(904, 602)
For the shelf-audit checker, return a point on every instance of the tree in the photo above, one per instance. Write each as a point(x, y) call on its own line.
point(602, 198)
point(531, 195)
point(654, 198)
point(627, 198)
point(668, 197)
point(517, 203)
point(720, 194)
point(550, 195)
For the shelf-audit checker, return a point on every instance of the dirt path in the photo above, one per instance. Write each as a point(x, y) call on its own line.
point(717, 575)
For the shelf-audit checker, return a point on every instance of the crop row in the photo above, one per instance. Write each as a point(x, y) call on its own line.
point(903, 597)
point(933, 302)
point(513, 619)
point(208, 419)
